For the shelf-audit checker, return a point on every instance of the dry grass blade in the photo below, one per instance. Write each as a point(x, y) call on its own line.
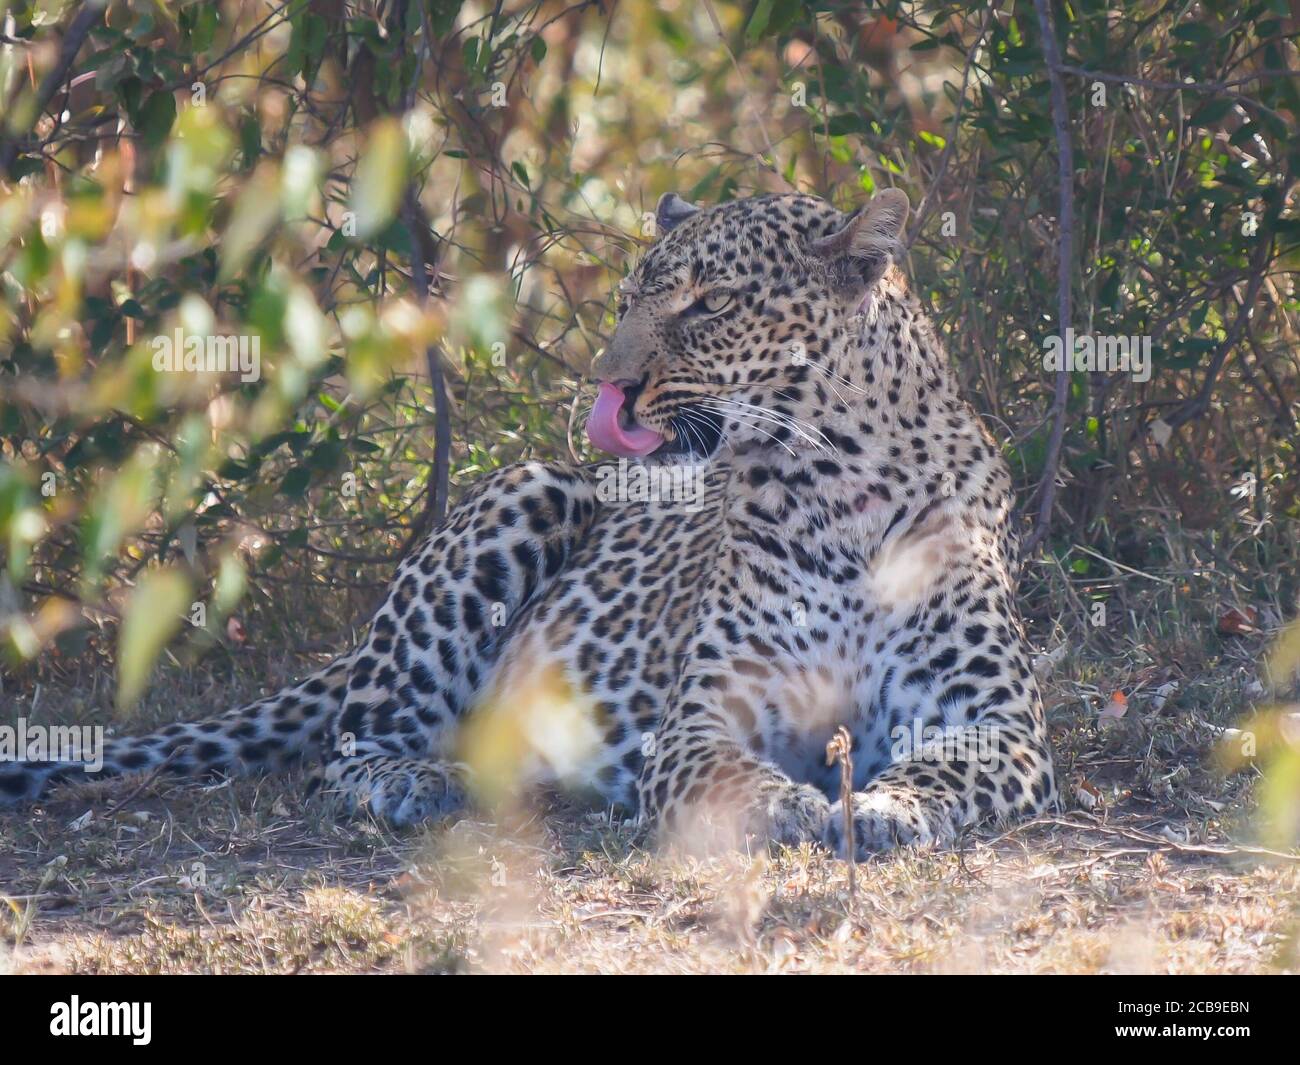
point(840, 750)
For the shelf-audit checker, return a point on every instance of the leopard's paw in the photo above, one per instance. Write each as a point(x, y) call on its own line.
point(882, 821)
point(399, 791)
point(793, 814)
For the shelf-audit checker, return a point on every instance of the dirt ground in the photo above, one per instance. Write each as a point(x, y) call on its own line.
point(1148, 867)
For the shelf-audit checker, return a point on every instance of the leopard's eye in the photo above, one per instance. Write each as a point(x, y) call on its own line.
point(623, 296)
point(715, 300)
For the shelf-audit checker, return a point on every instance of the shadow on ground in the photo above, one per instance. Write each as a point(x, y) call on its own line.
point(1139, 872)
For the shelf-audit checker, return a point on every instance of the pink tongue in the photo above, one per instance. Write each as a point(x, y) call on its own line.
point(604, 431)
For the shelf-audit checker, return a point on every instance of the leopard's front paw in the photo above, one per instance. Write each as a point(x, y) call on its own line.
point(882, 820)
point(400, 791)
point(794, 814)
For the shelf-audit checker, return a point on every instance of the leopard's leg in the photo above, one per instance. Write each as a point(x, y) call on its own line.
point(706, 782)
point(999, 770)
point(958, 712)
point(707, 791)
point(433, 644)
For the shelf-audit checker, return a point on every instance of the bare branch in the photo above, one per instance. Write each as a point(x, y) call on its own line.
point(1046, 492)
point(930, 199)
point(54, 78)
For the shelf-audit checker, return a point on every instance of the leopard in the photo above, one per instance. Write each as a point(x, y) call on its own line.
point(839, 558)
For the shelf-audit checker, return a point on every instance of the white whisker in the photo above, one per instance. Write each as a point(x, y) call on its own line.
point(697, 420)
point(801, 429)
point(833, 376)
point(691, 428)
point(749, 421)
point(830, 383)
point(789, 419)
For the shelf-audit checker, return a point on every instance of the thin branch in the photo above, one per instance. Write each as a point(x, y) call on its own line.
point(771, 166)
point(929, 200)
point(1217, 88)
point(54, 78)
point(1200, 403)
point(1046, 492)
point(417, 224)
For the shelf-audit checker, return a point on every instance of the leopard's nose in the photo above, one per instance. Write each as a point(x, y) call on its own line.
point(598, 368)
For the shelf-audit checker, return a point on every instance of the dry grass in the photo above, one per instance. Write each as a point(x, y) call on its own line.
point(568, 893)
point(248, 877)
point(1151, 865)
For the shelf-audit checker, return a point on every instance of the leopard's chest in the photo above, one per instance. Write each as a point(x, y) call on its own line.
point(815, 636)
point(800, 656)
point(608, 637)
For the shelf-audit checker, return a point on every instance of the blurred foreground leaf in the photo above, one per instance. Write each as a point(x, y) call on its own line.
point(153, 615)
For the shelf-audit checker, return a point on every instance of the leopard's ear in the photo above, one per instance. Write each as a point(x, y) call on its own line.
point(672, 211)
point(863, 249)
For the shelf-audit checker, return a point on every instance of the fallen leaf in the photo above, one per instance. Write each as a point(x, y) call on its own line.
point(1113, 710)
point(1161, 695)
point(1048, 659)
point(1238, 622)
point(1173, 835)
point(1089, 795)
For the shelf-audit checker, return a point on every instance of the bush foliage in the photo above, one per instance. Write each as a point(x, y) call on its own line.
point(415, 212)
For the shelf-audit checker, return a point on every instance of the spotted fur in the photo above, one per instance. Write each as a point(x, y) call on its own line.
point(850, 562)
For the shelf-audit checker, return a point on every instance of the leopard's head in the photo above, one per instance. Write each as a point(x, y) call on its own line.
point(735, 325)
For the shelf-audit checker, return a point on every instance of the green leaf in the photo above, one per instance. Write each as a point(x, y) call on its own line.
point(250, 139)
point(25, 166)
point(156, 118)
point(842, 125)
point(326, 456)
point(295, 482)
point(228, 588)
point(256, 211)
point(21, 523)
point(153, 615)
point(205, 27)
point(1194, 32)
point(380, 177)
point(758, 21)
point(1211, 112)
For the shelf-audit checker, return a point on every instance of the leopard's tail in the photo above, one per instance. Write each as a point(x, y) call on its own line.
point(269, 734)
